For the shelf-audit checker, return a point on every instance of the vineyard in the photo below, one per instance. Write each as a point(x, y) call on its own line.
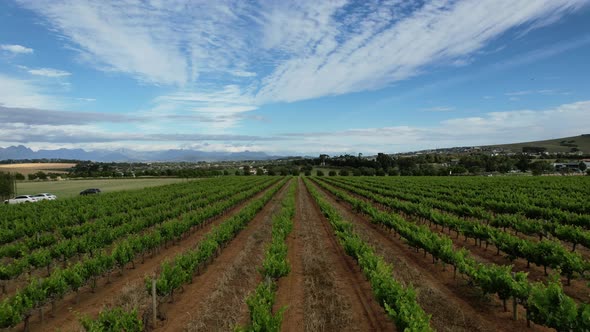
point(265, 253)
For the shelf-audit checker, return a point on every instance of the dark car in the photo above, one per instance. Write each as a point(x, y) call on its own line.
point(90, 191)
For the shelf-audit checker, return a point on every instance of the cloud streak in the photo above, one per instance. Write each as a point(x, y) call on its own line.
point(16, 49)
point(49, 72)
point(33, 116)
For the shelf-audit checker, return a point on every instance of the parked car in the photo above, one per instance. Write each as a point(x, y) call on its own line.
point(45, 196)
point(90, 191)
point(21, 199)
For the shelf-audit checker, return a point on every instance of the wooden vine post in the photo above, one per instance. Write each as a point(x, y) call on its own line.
point(154, 302)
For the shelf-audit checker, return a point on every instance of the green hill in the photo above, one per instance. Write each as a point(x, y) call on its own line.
point(565, 144)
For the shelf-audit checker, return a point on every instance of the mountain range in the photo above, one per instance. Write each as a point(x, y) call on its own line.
point(128, 155)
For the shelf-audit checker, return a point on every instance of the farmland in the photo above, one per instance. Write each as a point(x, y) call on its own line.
point(304, 253)
point(29, 168)
point(71, 188)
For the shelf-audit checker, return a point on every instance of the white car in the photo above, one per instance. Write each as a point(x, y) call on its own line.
point(45, 196)
point(21, 199)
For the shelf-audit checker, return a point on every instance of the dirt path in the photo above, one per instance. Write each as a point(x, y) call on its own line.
point(336, 295)
point(453, 304)
point(290, 290)
point(215, 301)
point(67, 311)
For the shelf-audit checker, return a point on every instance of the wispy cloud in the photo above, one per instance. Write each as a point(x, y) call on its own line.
point(218, 108)
point(33, 116)
point(49, 72)
point(156, 42)
point(81, 135)
point(327, 48)
point(536, 92)
point(16, 92)
point(438, 109)
point(387, 46)
point(16, 49)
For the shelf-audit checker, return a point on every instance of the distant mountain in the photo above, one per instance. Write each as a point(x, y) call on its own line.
point(122, 155)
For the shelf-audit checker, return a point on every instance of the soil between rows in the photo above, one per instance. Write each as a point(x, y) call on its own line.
point(453, 304)
point(336, 296)
point(67, 310)
point(215, 300)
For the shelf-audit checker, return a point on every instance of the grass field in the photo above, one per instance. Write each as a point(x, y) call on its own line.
point(72, 188)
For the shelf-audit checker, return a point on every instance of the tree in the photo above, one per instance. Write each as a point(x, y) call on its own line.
point(332, 173)
point(523, 163)
point(19, 176)
point(385, 161)
point(41, 175)
point(343, 172)
point(246, 170)
point(319, 173)
point(582, 166)
point(392, 171)
point(540, 167)
point(7, 187)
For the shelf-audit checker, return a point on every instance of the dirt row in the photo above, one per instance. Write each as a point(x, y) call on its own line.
point(453, 303)
point(325, 290)
point(578, 288)
point(215, 300)
point(68, 310)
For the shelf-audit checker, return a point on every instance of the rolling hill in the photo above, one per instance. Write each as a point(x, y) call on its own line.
point(565, 144)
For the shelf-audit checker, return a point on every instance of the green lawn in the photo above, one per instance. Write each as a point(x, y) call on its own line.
point(72, 188)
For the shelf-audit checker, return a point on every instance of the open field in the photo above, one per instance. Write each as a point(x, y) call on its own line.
point(71, 188)
point(29, 168)
point(338, 253)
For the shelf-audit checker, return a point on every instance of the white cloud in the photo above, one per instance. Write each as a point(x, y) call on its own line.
point(49, 72)
point(491, 128)
point(22, 93)
point(215, 109)
point(16, 49)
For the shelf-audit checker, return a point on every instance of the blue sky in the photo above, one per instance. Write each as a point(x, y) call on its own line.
point(292, 77)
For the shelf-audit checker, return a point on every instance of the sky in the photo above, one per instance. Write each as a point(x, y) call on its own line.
point(292, 77)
